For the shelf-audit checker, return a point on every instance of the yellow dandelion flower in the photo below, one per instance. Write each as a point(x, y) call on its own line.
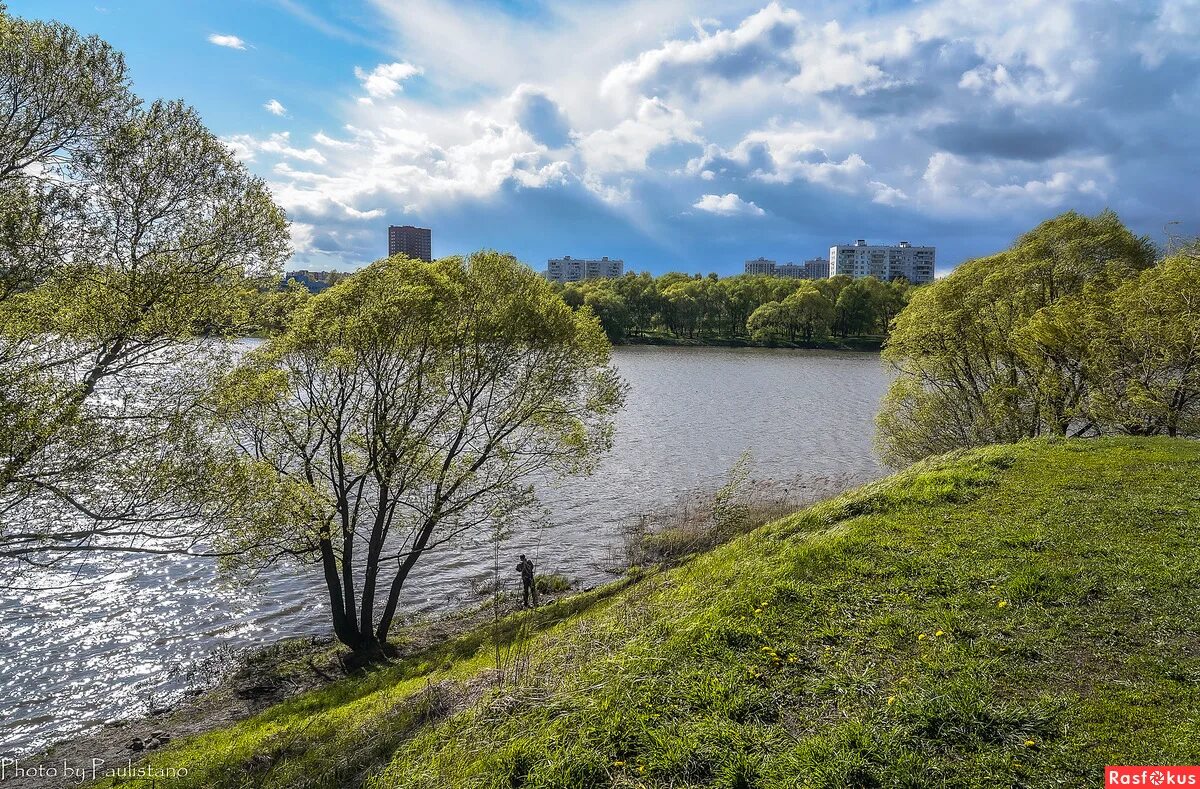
point(1002, 604)
point(618, 764)
point(891, 700)
point(939, 633)
point(1030, 743)
point(921, 637)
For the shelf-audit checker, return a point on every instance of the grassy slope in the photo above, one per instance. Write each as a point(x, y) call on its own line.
point(1016, 615)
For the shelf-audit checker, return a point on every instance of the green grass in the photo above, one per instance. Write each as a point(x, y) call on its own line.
point(1012, 616)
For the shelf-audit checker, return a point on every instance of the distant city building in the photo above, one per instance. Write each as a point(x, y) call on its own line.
point(314, 281)
point(761, 266)
point(815, 268)
point(861, 259)
point(415, 242)
point(569, 269)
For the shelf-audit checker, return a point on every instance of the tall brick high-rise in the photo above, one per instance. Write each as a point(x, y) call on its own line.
point(415, 242)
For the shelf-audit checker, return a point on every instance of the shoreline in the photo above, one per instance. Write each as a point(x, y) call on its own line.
point(864, 344)
point(259, 677)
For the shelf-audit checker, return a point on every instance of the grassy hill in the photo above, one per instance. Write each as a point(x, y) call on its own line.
point(1013, 616)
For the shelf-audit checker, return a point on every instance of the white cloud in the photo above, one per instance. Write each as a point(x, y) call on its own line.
point(728, 205)
point(232, 42)
point(760, 37)
point(608, 100)
point(321, 138)
point(626, 146)
point(887, 195)
point(957, 185)
point(384, 80)
point(246, 148)
point(275, 108)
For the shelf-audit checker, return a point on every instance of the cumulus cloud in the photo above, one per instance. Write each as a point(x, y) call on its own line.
point(759, 43)
point(384, 81)
point(727, 205)
point(221, 40)
point(831, 116)
point(275, 108)
point(959, 185)
point(627, 145)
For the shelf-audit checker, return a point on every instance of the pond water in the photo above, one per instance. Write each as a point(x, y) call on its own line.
point(122, 636)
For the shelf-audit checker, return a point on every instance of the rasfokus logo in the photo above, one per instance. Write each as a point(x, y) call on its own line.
point(1151, 775)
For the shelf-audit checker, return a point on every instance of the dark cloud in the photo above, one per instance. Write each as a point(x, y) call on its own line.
point(921, 79)
point(325, 242)
point(541, 116)
point(898, 99)
point(1004, 136)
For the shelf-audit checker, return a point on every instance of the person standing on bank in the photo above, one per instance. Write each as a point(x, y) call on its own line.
point(526, 568)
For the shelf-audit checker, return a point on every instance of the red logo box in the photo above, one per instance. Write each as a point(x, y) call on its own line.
point(1151, 775)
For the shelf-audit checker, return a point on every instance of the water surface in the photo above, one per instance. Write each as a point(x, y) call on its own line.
point(122, 637)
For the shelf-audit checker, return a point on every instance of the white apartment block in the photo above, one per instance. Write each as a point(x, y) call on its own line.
point(861, 259)
point(569, 269)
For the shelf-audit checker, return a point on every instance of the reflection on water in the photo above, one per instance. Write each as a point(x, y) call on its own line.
point(119, 639)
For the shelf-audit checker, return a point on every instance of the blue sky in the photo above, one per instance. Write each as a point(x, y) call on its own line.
point(682, 135)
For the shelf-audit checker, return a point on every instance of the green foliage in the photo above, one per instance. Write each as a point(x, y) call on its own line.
point(552, 583)
point(805, 313)
point(759, 308)
point(415, 403)
point(1149, 352)
point(1016, 615)
point(128, 234)
point(1042, 339)
point(271, 306)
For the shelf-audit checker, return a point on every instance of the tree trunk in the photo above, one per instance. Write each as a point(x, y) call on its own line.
point(371, 571)
point(389, 610)
point(344, 627)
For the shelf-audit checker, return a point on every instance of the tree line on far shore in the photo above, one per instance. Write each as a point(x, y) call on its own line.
point(750, 307)
point(755, 307)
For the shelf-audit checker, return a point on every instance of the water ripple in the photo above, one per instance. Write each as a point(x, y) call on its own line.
point(119, 640)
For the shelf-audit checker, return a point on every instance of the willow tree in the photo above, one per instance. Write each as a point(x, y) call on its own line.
point(1148, 352)
point(1004, 347)
point(408, 405)
point(127, 235)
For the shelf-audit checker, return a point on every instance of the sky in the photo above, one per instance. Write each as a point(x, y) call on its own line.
point(682, 136)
